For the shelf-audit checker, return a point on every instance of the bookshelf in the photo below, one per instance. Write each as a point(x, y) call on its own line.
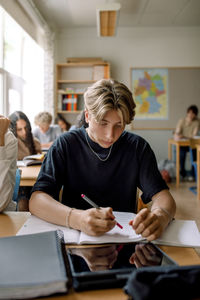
point(72, 79)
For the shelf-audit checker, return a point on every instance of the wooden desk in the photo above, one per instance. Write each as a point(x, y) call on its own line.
point(198, 172)
point(178, 144)
point(29, 175)
point(10, 223)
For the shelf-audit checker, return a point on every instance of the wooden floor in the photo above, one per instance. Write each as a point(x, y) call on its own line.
point(188, 207)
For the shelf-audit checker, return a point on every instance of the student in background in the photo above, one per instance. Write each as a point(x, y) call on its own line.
point(27, 145)
point(8, 163)
point(21, 127)
point(106, 163)
point(80, 121)
point(64, 125)
point(187, 128)
point(45, 132)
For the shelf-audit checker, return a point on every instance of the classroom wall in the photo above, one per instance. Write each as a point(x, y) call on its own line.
point(139, 47)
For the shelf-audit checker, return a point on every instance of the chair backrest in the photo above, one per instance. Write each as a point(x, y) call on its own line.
point(139, 203)
point(192, 159)
point(17, 183)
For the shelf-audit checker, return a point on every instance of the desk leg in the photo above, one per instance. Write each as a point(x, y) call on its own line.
point(177, 165)
point(169, 151)
point(198, 174)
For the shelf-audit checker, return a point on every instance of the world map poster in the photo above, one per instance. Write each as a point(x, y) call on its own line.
point(150, 92)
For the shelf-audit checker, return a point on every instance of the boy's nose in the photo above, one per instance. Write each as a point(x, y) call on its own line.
point(110, 134)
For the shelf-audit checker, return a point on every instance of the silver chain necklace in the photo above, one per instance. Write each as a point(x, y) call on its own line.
point(102, 159)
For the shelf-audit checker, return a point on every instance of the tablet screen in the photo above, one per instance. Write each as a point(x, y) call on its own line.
point(110, 265)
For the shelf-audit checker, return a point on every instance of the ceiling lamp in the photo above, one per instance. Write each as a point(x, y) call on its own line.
point(107, 16)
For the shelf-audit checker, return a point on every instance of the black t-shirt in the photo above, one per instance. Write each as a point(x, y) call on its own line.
point(72, 164)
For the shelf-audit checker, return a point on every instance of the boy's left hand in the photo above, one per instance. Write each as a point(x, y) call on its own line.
point(149, 224)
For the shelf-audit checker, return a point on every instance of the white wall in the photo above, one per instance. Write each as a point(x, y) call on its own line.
point(139, 47)
point(162, 47)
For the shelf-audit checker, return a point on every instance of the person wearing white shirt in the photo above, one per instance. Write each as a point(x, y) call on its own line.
point(8, 165)
point(45, 132)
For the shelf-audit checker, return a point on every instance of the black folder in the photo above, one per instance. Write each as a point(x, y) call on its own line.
point(32, 265)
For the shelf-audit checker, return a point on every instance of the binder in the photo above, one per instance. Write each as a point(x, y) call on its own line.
point(32, 265)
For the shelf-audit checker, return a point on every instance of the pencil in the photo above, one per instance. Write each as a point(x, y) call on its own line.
point(96, 206)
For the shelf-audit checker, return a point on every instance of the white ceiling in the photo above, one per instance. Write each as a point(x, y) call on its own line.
point(134, 13)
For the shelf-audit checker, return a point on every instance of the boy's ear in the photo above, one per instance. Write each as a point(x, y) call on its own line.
point(86, 116)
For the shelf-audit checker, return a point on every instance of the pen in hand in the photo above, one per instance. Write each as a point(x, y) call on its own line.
point(96, 206)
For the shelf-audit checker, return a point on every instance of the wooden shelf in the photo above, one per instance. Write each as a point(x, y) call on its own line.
point(76, 81)
point(76, 76)
point(82, 64)
point(67, 93)
point(69, 111)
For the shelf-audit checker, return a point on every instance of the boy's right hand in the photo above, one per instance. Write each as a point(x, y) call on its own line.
point(94, 222)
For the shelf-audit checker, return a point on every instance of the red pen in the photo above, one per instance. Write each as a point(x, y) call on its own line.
point(96, 206)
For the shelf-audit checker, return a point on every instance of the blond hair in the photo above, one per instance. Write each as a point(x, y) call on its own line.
point(43, 117)
point(108, 94)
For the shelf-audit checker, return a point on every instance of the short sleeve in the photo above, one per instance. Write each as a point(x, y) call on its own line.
point(179, 126)
point(8, 158)
point(150, 179)
point(52, 173)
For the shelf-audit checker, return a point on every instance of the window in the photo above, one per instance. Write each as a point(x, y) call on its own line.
point(33, 75)
point(14, 101)
point(13, 36)
point(21, 70)
point(1, 92)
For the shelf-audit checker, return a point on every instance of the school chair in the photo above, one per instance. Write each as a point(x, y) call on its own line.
point(17, 184)
point(140, 203)
point(192, 147)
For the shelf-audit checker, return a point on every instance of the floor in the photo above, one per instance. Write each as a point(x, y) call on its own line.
point(188, 207)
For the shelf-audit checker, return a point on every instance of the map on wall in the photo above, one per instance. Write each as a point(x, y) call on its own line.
point(150, 92)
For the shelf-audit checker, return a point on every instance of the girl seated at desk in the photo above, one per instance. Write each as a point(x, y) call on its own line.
point(27, 145)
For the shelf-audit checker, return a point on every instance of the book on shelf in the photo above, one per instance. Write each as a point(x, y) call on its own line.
point(69, 102)
point(35, 159)
point(69, 90)
point(182, 233)
point(33, 265)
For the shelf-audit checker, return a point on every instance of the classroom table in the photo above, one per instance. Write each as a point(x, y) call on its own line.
point(198, 172)
point(29, 175)
point(178, 144)
point(11, 222)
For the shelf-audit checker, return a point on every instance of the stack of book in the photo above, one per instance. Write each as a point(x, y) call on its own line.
point(69, 102)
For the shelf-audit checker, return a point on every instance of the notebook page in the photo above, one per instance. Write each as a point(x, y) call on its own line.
point(180, 233)
point(36, 225)
point(116, 235)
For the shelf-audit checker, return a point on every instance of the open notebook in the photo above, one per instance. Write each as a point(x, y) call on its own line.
point(35, 159)
point(178, 233)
